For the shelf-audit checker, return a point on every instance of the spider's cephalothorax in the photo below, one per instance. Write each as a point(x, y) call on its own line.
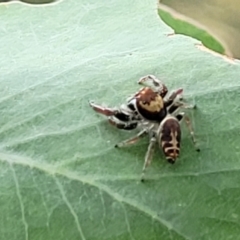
point(149, 103)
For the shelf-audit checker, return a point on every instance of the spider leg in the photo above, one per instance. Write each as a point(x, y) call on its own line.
point(190, 128)
point(148, 156)
point(176, 93)
point(185, 105)
point(180, 117)
point(130, 125)
point(177, 105)
point(132, 140)
point(170, 100)
point(192, 106)
point(103, 110)
point(122, 114)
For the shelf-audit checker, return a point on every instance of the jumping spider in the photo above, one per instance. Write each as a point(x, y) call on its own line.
point(156, 114)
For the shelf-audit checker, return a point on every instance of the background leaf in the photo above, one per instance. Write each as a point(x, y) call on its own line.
point(61, 177)
point(214, 22)
point(29, 1)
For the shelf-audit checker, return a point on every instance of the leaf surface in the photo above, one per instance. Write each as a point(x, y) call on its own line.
point(61, 177)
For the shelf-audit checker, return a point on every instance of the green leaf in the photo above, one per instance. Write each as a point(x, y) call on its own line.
point(213, 22)
point(61, 177)
point(188, 29)
point(29, 1)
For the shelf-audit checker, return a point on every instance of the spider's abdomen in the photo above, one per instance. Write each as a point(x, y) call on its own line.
point(150, 104)
point(169, 138)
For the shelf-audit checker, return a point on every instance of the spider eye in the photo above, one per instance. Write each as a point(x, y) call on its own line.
point(144, 102)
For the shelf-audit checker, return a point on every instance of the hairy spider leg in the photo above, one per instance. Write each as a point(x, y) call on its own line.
point(170, 100)
point(190, 128)
point(122, 125)
point(123, 114)
point(180, 117)
point(132, 140)
point(103, 110)
point(148, 156)
point(175, 106)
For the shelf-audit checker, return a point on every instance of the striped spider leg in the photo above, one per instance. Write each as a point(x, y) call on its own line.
point(122, 118)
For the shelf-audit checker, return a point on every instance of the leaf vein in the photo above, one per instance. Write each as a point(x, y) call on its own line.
point(53, 170)
point(72, 211)
point(20, 200)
